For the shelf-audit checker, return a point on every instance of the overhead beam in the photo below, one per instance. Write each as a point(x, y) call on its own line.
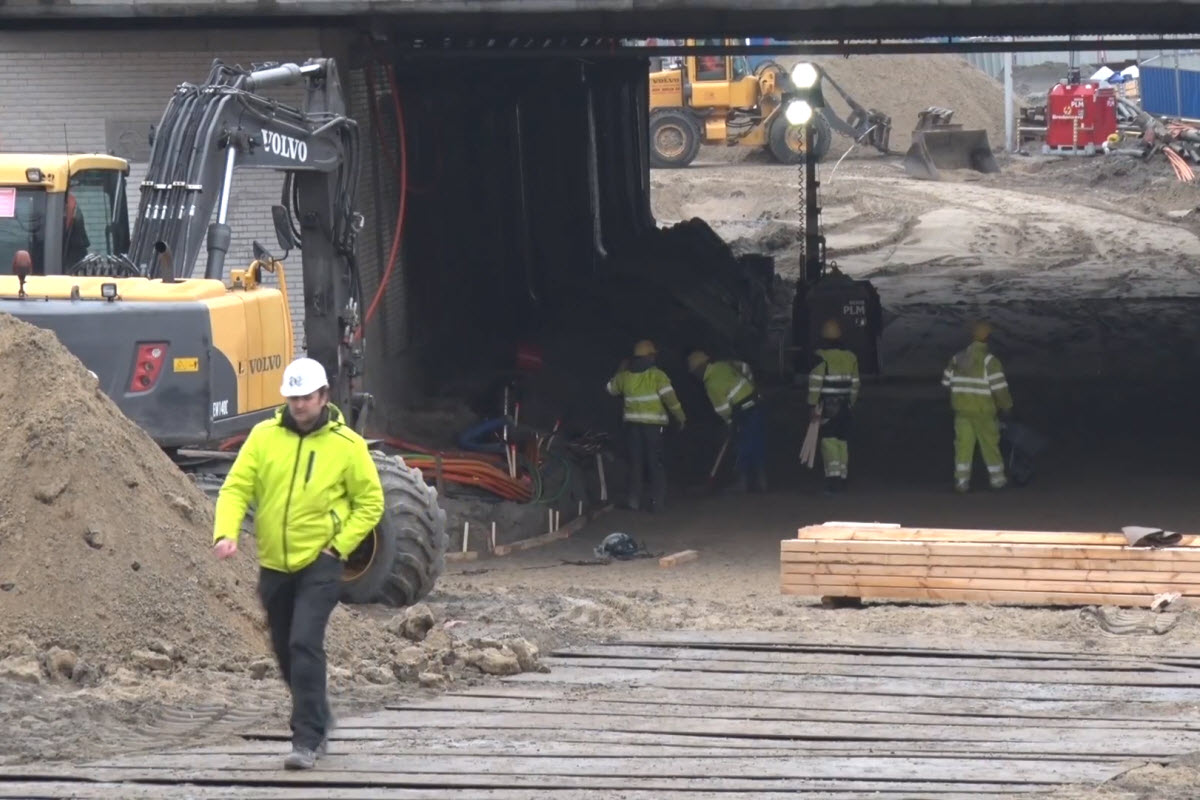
point(781, 19)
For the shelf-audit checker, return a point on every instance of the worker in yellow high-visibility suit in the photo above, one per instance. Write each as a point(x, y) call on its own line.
point(978, 393)
point(649, 396)
point(833, 386)
point(731, 390)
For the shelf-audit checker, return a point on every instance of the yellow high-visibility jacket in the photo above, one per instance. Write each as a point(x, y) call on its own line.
point(648, 395)
point(835, 375)
point(310, 492)
point(729, 384)
point(977, 383)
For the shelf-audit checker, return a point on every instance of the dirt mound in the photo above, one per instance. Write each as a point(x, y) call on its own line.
point(104, 543)
point(900, 86)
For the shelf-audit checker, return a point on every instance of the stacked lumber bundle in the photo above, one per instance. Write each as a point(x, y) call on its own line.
point(1023, 567)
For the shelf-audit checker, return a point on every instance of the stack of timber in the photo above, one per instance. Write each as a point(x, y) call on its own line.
point(1018, 567)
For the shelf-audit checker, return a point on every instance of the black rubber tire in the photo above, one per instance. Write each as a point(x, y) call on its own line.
point(781, 136)
point(669, 123)
point(399, 563)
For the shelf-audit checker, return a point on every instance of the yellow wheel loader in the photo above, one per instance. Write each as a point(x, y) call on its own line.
point(722, 100)
point(193, 360)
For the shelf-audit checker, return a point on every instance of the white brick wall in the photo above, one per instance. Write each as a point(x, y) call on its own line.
point(59, 88)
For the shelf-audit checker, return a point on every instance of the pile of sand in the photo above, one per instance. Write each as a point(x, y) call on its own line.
point(901, 86)
point(104, 543)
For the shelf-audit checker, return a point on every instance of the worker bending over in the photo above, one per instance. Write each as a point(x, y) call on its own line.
point(730, 388)
point(833, 386)
point(978, 391)
point(648, 395)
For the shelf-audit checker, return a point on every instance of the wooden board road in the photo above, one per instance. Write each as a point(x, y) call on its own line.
point(705, 715)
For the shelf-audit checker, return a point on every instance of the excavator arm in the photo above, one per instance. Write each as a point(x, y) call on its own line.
point(210, 131)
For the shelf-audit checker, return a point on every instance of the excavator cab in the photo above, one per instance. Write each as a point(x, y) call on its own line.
point(62, 210)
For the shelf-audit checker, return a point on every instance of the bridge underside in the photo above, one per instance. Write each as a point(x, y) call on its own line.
point(798, 19)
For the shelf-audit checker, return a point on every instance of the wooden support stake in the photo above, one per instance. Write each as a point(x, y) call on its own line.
point(675, 559)
point(493, 536)
point(466, 535)
point(603, 483)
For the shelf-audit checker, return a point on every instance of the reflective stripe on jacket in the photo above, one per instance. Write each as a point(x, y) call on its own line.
point(729, 385)
point(648, 395)
point(310, 492)
point(976, 382)
point(836, 375)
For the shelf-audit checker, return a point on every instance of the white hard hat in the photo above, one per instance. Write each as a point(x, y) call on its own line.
point(303, 376)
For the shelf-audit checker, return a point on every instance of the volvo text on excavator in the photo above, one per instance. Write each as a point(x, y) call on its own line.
point(192, 360)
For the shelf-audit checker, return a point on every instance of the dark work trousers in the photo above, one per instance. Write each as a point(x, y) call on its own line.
point(298, 606)
point(750, 427)
point(646, 456)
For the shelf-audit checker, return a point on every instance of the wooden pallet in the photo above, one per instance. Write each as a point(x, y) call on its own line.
point(1019, 567)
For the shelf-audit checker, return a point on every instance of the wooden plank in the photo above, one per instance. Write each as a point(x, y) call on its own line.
point(997, 584)
point(1006, 562)
point(458, 555)
point(950, 674)
point(912, 644)
point(666, 708)
point(83, 790)
point(530, 543)
point(1086, 712)
point(1095, 740)
point(1176, 555)
point(930, 663)
point(851, 533)
point(937, 570)
point(554, 742)
point(389, 769)
point(675, 559)
point(839, 685)
point(607, 786)
point(972, 596)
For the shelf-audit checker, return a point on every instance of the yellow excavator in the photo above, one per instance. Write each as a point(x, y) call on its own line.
point(732, 101)
point(192, 360)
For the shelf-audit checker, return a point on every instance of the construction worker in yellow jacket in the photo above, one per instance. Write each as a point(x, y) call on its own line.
point(833, 386)
point(978, 392)
point(317, 496)
point(648, 396)
point(731, 390)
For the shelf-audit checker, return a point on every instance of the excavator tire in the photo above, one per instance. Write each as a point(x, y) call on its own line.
point(786, 142)
point(398, 564)
point(675, 138)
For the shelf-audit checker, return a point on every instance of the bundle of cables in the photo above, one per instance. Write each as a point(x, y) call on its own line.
point(482, 471)
point(464, 469)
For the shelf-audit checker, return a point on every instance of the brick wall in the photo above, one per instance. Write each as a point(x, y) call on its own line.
point(99, 92)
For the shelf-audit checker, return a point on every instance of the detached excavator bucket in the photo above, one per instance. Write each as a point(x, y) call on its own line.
point(937, 145)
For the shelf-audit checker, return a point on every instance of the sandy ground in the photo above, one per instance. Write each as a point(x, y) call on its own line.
point(1088, 270)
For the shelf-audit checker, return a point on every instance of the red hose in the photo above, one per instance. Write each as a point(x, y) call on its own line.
point(400, 214)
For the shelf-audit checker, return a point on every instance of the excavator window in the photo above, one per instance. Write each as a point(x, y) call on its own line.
point(741, 67)
point(95, 219)
point(22, 226)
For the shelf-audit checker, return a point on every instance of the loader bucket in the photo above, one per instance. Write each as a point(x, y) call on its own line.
point(936, 150)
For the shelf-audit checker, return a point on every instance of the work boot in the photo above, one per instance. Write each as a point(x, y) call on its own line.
point(300, 758)
point(742, 485)
point(760, 480)
point(831, 485)
point(962, 488)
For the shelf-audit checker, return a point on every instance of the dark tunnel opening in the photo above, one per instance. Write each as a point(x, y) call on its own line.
point(528, 218)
